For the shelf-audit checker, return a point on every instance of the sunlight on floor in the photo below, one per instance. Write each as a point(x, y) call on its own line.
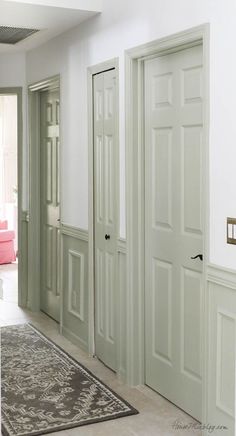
point(9, 278)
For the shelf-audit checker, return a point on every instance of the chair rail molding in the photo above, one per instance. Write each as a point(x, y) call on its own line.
point(221, 276)
point(75, 232)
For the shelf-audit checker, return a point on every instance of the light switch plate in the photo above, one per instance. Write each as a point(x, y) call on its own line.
point(231, 231)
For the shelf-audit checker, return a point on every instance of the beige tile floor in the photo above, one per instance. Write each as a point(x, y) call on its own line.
point(8, 274)
point(157, 416)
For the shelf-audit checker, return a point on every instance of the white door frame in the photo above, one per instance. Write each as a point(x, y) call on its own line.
point(135, 189)
point(91, 71)
point(34, 188)
point(22, 291)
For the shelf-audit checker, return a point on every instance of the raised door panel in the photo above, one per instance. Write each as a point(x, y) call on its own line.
point(161, 158)
point(191, 324)
point(109, 181)
point(162, 90)
point(49, 257)
point(100, 293)
point(161, 313)
point(99, 179)
point(192, 179)
point(110, 297)
point(57, 171)
point(49, 170)
point(192, 88)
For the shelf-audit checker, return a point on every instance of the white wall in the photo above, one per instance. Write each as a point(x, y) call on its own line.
point(72, 4)
point(125, 24)
point(13, 74)
point(12, 70)
point(8, 147)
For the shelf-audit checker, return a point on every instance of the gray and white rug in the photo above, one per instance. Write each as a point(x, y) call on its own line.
point(45, 390)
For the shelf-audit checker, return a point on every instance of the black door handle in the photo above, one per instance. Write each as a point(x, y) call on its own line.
point(107, 237)
point(198, 255)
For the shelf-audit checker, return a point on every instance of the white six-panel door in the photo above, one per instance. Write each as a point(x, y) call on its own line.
point(174, 227)
point(105, 215)
point(50, 204)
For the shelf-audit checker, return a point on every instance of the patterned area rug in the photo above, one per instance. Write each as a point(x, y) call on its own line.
point(45, 390)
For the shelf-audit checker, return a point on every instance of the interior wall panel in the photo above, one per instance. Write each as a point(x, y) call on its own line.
point(221, 319)
point(74, 316)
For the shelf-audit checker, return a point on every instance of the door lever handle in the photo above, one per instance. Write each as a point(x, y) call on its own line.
point(107, 237)
point(198, 255)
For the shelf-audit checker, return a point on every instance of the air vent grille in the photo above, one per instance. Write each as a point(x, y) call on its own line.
point(12, 35)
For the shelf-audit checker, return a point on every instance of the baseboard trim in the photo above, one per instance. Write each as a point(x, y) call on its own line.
point(121, 375)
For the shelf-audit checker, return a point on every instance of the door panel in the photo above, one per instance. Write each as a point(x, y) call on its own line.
point(50, 202)
point(173, 227)
point(105, 155)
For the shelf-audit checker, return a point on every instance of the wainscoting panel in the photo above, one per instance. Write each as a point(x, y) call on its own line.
point(221, 349)
point(74, 283)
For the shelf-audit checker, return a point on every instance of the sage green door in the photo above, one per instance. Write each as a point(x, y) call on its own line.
point(105, 215)
point(174, 105)
point(50, 203)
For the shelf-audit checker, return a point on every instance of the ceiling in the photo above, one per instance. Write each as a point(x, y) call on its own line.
point(51, 20)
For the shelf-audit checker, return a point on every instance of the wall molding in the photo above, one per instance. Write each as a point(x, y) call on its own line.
point(74, 285)
point(222, 315)
point(74, 232)
point(180, 40)
point(46, 85)
point(221, 319)
point(221, 276)
point(83, 235)
point(72, 254)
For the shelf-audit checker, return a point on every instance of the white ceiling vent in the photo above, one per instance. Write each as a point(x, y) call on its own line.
point(12, 35)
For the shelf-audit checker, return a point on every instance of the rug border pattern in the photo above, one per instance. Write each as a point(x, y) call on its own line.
point(6, 429)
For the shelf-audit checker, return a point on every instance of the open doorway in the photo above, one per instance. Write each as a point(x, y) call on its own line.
point(9, 196)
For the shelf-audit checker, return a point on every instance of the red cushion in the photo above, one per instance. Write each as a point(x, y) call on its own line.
point(7, 235)
point(3, 225)
point(7, 252)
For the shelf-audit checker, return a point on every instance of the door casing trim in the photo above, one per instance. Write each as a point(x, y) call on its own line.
point(34, 90)
point(134, 91)
point(91, 71)
point(22, 292)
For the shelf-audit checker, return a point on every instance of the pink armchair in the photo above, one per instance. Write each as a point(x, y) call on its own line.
point(7, 252)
